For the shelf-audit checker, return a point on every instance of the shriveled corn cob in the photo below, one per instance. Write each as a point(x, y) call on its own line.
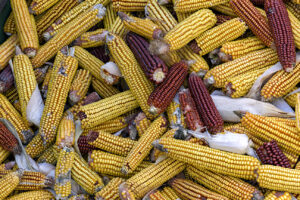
point(39, 6)
point(225, 9)
point(281, 83)
point(8, 140)
point(228, 186)
point(70, 32)
point(190, 190)
point(175, 116)
point(48, 156)
point(134, 5)
point(9, 182)
point(143, 146)
point(136, 80)
point(240, 85)
point(66, 132)
point(215, 37)
point(10, 27)
point(226, 163)
point(110, 164)
point(119, 28)
point(194, 5)
point(254, 19)
point(222, 19)
point(40, 73)
point(6, 79)
point(297, 110)
point(3, 154)
point(103, 89)
point(7, 50)
point(142, 123)
point(91, 39)
point(255, 60)
point(80, 86)
point(150, 178)
point(110, 191)
point(293, 8)
point(33, 195)
point(169, 193)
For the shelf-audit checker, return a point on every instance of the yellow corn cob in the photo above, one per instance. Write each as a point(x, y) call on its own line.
point(80, 86)
point(225, 9)
point(295, 23)
point(193, 5)
point(110, 17)
point(279, 178)
point(103, 89)
point(11, 95)
point(293, 8)
point(143, 27)
point(9, 182)
point(63, 172)
point(281, 83)
point(169, 193)
point(296, 1)
point(39, 6)
point(297, 166)
point(239, 86)
point(110, 164)
point(230, 187)
point(101, 111)
point(79, 197)
point(183, 15)
point(133, 5)
point(47, 156)
point(227, 163)
point(119, 28)
point(142, 123)
point(143, 146)
point(46, 82)
point(297, 110)
point(7, 50)
point(91, 39)
point(175, 116)
point(25, 27)
point(3, 154)
point(215, 37)
point(278, 196)
point(255, 60)
point(151, 178)
point(139, 85)
point(36, 146)
point(291, 99)
point(66, 132)
point(110, 191)
point(10, 26)
point(33, 195)
point(69, 33)
point(239, 48)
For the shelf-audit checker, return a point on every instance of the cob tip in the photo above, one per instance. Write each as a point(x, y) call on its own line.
point(125, 17)
point(158, 47)
point(209, 81)
point(110, 72)
point(47, 36)
point(125, 170)
point(163, 2)
point(201, 73)
point(124, 192)
point(18, 50)
point(74, 97)
point(153, 110)
point(159, 75)
point(30, 52)
point(92, 136)
point(101, 10)
point(158, 146)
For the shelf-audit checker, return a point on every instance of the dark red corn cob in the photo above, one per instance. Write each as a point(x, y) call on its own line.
point(164, 93)
point(83, 145)
point(153, 67)
point(281, 29)
point(258, 2)
point(8, 140)
point(254, 19)
point(270, 154)
point(205, 105)
point(222, 18)
point(191, 115)
point(6, 79)
point(90, 98)
point(194, 46)
point(100, 53)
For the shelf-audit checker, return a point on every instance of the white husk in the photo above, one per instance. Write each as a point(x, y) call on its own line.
point(119, 132)
point(78, 132)
point(281, 104)
point(76, 188)
point(227, 107)
point(160, 158)
point(47, 169)
point(101, 10)
point(293, 92)
point(111, 68)
point(35, 107)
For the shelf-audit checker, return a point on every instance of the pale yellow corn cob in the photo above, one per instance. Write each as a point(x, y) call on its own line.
point(293, 8)
point(7, 50)
point(183, 15)
point(69, 33)
point(295, 23)
point(66, 132)
point(110, 164)
point(225, 9)
point(142, 123)
point(9, 182)
point(33, 195)
point(25, 27)
point(215, 37)
point(3, 154)
point(193, 5)
point(255, 60)
point(296, 1)
point(143, 146)
point(39, 6)
point(239, 48)
point(110, 17)
point(297, 110)
point(91, 39)
point(291, 99)
point(48, 156)
point(10, 26)
point(80, 86)
point(110, 191)
point(46, 82)
point(103, 89)
point(151, 178)
point(228, 186)
point(226, 163)
point(278, 196)
point(133, 5)
point(175, 116)
point(139, 85)
point(169, 193)
point(119, 28)
point(240, 85)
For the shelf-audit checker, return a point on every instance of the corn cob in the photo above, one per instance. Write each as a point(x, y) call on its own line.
point(296, 1)
point(182, 16)
point(189, 190)
point(91, 39)
point(7, 50)
point(66, 132)
point(215, 37)
point(194, 5)
point(175, 116)
point(281, 83)
point(63, 172)
point(80, 86)
point(153, 67)
point(34, 181)
point(239, 48)
point(46, 82)
point(11, 95)
point(281, 29)
point(10, 27)
point(240, 85)
point(255, 60)
point(110, 17)
point(135, 5)
point(80, 197)
point(47, 156)
point(110, 143)
point(100, 53)
point(254, 19)
point(143, 146)
point(7, 165)
point(110, 191)
point(230, 187)
point(297, 110)
point(9, 182)
point(39, 6)
point(150, 178)
point(136, 80)
point(8, 140)
point(103, 89)
point(222, 19)
point(169, 193)
point(209, 159)
point(224, 9)
point(285, 135)
point(40, 73)
point(70, 32)
point(110, 164)
point(155, 195)
point(119, 28)
point(278, 196)
point(142, 27)
point(295, 23)
point(142, 123)
point(293, 8)
point(32, 195)
point(258, 2)
point(83, 145)
point(3, 154)
point(6, 79)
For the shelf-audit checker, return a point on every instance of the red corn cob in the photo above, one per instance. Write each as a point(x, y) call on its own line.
point(191, 115)
point(84, 146)
point(90, 98)
point(6, 79)
point(222, 18)
point(254, 19)
point(100, 53)
point(205, 105)
point(8, 140)
point(164, 93)
point(270, 154)
point(258, 2)
point(281, 29)
point(153, 67)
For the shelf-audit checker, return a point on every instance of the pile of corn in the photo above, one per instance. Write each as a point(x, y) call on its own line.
point(116, 99)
